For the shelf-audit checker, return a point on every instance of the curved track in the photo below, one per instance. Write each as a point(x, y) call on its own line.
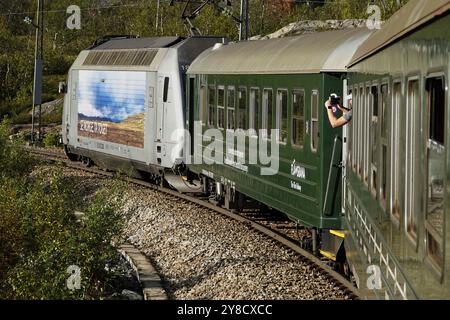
point(306, 256)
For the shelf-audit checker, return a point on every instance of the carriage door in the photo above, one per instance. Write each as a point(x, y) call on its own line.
point(436, 171)
point(163, 91)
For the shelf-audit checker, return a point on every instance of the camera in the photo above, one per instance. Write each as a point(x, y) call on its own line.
point(335, 99)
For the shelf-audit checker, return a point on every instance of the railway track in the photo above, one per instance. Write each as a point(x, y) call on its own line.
point(249, 220)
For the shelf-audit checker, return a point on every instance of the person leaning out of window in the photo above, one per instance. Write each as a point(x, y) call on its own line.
point(332, 104)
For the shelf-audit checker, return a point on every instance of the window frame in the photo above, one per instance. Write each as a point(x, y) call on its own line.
point(279, 116)
point(254, 124)
point(410, 168)
point(293, 117)
point(267, 133)
point(238, 114)
point(395, 151)
point(212, 107)
point(315, 92)
point(438, 269)
point(228, 108)
point(220, 87)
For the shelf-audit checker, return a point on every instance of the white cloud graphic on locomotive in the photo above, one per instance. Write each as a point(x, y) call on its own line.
point(212, 147)
point(111, 106)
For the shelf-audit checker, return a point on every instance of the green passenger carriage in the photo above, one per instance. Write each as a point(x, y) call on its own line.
point(397, 186)
point(279, 84)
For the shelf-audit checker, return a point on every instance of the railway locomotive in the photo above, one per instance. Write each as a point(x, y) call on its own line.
point(372, 194)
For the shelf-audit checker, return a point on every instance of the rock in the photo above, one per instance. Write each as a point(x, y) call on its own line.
point(131, 295)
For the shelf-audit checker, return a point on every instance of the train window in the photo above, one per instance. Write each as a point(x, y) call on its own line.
point(203, 104)
point(395, 150)
point(231, 102)
point(267, 113)
point(282, 121)
point(242, 108)
point(384, 144)
point(436, 164)
point(314, 120)
point(374, 139)
point(355, 129)
point(221, 107)
point(362, 127)
point(349, 138)
point(211, 105)
point(298, 117)
point(412, 128)
point(254, 111)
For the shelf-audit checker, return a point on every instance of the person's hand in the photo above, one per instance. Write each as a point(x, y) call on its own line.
point(328, 104)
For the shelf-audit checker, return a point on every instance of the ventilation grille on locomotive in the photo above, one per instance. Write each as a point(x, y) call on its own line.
point(120, 58)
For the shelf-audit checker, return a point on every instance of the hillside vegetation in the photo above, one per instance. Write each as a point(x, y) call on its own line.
point(130, 17)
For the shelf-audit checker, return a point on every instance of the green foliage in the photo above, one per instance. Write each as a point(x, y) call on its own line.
point(40, 237)
point(137, 17)
point(51, 139)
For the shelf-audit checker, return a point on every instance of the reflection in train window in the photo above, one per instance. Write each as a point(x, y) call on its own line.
point(395, 150)
point(220, 107)
point(374, 139)
point(436, 170)
point(203, 105)
point(412, 196)
point(242, 108)
point(314, 120)
point(282, 121)
point(267, 113)
point(384, 143)
point(211, 105)
point(298, 117)
point(356, 126)
point(254, 111)
point(230, 108)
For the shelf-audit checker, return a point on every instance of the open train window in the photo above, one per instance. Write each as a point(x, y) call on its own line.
point(231, 102)
point(436, 173)
point(220, 107)
point(254, 111)
point(282, 121)
point(211, 106)
point(315, 120)
point(298, 117)
point(267, 113)
point(242, 108)
point(374, 139)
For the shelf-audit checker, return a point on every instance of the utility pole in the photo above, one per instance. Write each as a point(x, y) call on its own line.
point(38, 67)
point(244, 23)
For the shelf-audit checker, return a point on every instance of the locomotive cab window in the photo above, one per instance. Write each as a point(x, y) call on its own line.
point(231, 101)
point(314, 120)
point(267, 113)
point(281, 120)
point(254, 111)
point(436, 170)
point(221, 107)
point(211, 105)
